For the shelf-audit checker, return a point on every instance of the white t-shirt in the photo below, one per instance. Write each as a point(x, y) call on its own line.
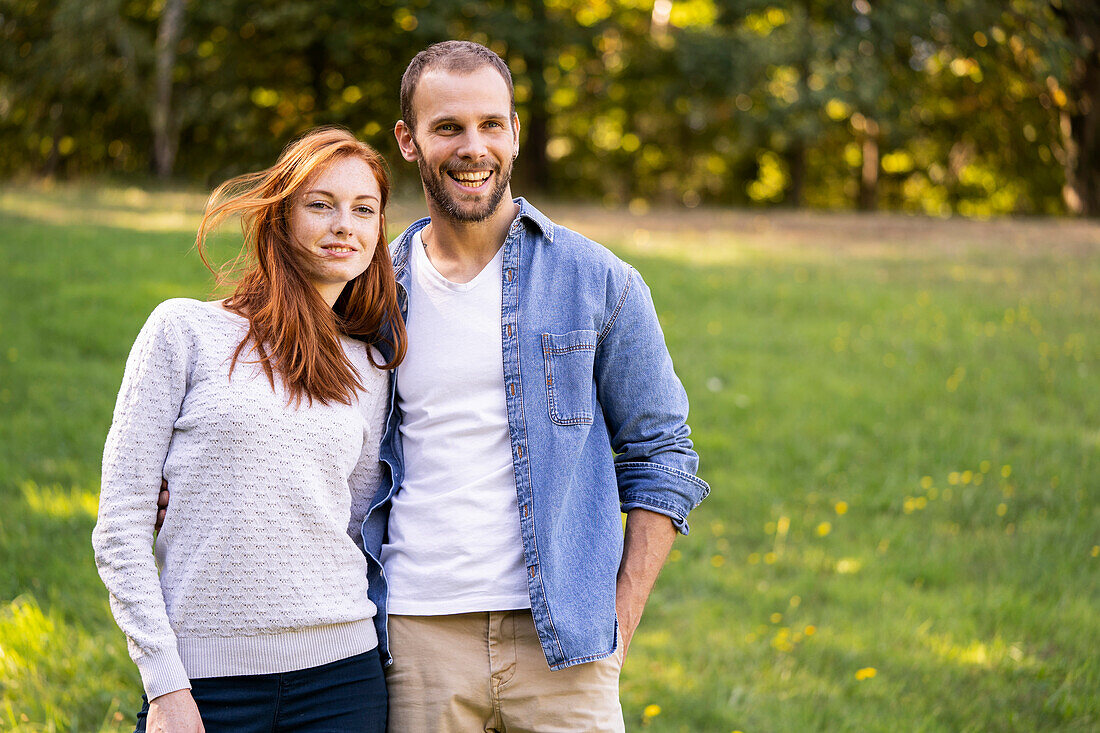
point(454, 528)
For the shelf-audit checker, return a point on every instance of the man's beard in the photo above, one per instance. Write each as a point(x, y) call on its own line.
point(458, 210)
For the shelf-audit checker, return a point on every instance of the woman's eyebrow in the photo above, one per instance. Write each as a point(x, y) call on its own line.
point(327, 193)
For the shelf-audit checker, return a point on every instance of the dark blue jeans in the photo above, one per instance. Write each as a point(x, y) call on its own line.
point(346, 696)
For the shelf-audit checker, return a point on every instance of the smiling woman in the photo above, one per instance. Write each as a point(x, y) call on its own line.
point(326, 189)
point(338, 224)
point(263, 412)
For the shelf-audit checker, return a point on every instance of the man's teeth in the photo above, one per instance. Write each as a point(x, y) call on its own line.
point(472, 179)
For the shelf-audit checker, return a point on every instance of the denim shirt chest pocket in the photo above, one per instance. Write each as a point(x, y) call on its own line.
point(569, 359)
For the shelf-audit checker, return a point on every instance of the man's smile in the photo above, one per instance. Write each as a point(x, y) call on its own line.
point(470, 179)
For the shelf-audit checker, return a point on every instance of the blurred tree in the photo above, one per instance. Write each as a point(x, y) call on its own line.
point(937, 106)
point(67, 97)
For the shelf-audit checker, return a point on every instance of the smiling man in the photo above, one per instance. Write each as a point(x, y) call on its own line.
point(536, 402)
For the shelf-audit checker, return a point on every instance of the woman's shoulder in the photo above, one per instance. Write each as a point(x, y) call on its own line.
point(363, 354)
point(365, 358)
point(193, 314)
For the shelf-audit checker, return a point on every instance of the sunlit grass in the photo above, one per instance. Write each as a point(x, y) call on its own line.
point(901, 427)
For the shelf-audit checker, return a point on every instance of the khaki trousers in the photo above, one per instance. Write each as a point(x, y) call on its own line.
point(487, 672)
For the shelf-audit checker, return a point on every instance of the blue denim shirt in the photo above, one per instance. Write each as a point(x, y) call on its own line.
point(597, 420)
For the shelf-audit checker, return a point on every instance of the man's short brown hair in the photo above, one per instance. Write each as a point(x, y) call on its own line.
point(463, 57)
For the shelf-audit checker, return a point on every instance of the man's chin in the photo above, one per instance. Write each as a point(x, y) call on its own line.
point(470, 211)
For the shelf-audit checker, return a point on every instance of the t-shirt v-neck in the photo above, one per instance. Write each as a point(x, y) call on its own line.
point(492, 269)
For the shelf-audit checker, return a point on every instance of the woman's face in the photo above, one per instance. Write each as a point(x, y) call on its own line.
point(335, 217)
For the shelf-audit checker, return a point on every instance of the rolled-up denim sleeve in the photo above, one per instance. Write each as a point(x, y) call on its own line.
point(646, 408)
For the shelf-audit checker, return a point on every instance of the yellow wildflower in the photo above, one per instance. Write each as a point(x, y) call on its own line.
point(652, 710)
point(866, 673)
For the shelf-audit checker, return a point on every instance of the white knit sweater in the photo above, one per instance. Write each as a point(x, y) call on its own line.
point(259, 569)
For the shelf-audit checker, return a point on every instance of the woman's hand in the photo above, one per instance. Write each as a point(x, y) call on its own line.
point(175, 712)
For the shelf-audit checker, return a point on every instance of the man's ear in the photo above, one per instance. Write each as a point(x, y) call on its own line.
point(404, 136)
point(515, 135)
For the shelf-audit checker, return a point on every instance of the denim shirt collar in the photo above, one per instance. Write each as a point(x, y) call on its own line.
point(527, 213)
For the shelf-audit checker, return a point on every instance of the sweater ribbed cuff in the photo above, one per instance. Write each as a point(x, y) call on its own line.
point(162, 672)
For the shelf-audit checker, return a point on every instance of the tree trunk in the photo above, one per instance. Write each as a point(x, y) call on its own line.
point(536, 167)
point(796, 152)
point(1081, 139)
point(318, 65)
point(1080, 124)
point(796, 163)
point(868, 176)
point(165, 128)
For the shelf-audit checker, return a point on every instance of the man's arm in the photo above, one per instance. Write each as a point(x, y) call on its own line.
point(645, 407)
point(646, 545)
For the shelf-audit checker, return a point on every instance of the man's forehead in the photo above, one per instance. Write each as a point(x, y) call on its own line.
point(480, 92)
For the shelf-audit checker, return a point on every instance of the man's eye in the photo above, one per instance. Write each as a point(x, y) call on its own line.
point(447, 128)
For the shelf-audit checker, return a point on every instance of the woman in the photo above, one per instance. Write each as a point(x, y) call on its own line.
point(264, 412)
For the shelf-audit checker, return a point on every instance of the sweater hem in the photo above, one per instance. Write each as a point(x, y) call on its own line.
point(288, 651)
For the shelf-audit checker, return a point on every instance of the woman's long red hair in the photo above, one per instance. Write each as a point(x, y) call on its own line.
point(292, 330)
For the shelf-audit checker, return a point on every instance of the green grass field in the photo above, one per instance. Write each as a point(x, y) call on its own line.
point(899, 418)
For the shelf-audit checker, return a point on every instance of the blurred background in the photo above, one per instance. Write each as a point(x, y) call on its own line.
point(869, 230)
point(976, 107)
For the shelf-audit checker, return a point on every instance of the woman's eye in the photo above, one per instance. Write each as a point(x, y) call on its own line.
point(317, 205)
point(365, 210)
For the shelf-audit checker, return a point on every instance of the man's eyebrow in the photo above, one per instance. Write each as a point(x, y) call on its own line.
point(326, 193)
point(450, 119)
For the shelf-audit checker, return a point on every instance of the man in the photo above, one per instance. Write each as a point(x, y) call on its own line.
point(537, 400)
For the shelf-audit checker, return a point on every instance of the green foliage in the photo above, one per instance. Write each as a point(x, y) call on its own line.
point(897, 417)
point(963, 103)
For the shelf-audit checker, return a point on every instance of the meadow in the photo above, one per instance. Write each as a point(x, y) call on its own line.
point(899, 419)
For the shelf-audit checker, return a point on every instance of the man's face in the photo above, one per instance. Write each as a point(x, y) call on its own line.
point(464, 143)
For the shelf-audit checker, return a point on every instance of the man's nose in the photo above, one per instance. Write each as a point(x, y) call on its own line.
point(473, 145)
